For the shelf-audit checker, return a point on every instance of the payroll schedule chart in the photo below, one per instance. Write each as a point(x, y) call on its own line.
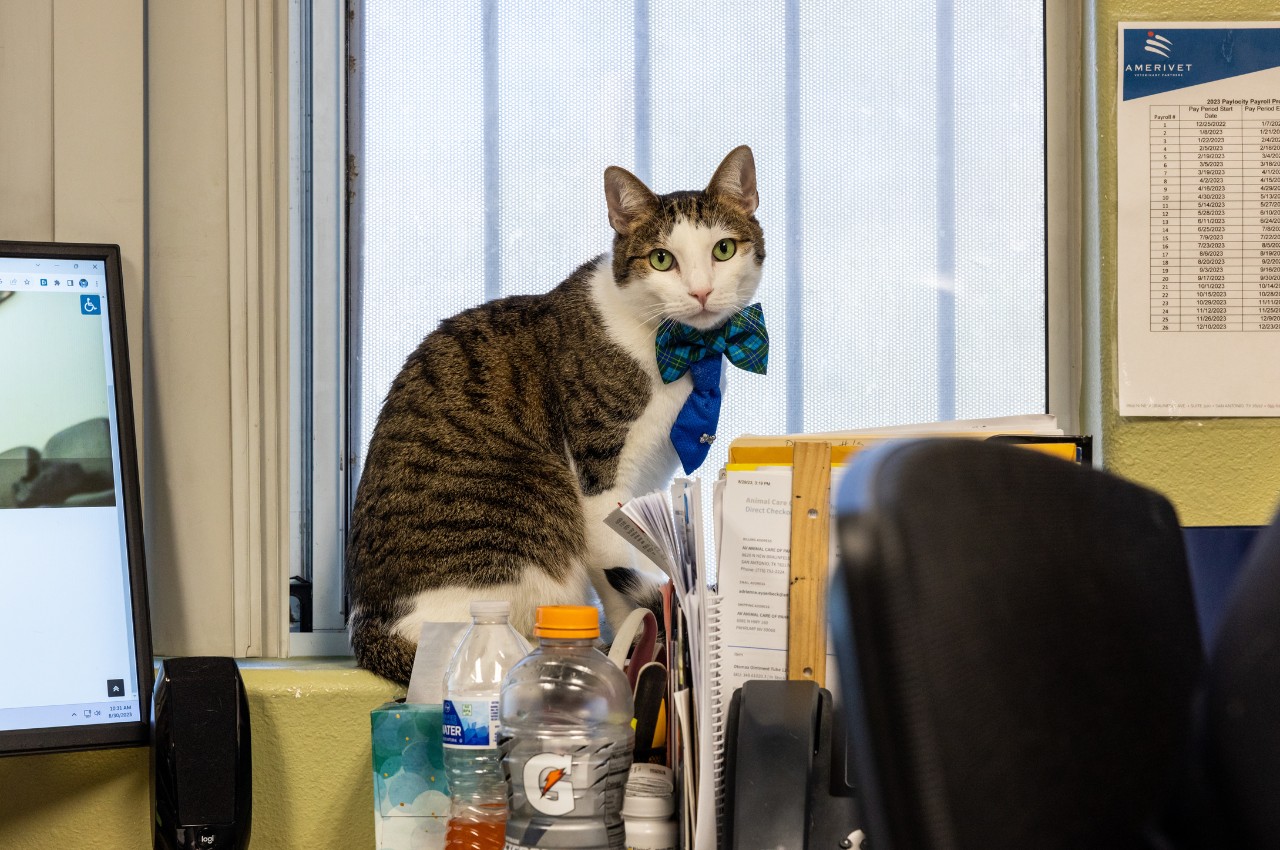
point(1215, 218)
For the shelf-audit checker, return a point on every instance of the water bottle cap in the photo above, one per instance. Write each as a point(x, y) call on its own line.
point(567, 621)
point(490, 607)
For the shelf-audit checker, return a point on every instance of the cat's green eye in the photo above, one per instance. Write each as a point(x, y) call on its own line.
point(661, 259)
point(724, 249)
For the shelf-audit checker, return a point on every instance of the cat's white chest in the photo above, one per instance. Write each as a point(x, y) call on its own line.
point(648, 459)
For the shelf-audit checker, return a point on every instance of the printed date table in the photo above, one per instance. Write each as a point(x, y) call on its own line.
point(1215, 218)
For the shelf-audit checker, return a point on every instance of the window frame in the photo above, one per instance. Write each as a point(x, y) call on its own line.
point(318, 291)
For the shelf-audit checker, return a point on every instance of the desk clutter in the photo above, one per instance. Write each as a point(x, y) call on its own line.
point(713, 723)
point(526, 748)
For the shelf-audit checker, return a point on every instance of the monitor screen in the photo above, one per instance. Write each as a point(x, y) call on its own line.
point(75, 645)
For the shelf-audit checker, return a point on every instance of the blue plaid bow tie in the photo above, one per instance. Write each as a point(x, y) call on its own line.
point(681, 349)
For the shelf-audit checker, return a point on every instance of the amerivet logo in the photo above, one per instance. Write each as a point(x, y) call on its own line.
point(1162, 47)
point(1159, 58)
point(1158, 44)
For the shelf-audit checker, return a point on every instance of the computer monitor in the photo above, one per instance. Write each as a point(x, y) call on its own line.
point(75, 638)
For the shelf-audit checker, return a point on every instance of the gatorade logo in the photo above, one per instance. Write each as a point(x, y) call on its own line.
point(547, 785)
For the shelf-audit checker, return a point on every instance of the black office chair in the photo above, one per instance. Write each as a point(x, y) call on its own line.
point(1018, 650)
point(1241, 728)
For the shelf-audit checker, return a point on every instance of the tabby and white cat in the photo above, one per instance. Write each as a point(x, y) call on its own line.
point(518, 425)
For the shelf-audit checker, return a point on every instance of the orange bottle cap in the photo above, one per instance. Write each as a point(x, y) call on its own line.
point(567, 621)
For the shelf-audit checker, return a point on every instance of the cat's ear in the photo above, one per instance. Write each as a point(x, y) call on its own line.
point(629, 200)
point(735, 180)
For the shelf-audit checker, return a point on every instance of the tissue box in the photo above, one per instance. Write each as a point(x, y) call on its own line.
point(410, 793)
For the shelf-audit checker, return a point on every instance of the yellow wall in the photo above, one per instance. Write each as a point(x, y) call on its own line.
point(312, 771)
point(1215, 471)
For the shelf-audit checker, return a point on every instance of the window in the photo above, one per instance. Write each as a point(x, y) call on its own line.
point(901, 166)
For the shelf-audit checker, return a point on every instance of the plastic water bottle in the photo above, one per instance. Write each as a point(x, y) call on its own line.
point(566, 738)
point(472, 685)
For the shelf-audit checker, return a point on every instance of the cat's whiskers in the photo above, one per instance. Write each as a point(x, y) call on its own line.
point(659, 315)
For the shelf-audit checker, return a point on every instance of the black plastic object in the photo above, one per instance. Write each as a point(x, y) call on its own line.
point(1018, 649)
point(785, 776)
point(202, 770)
point(1242, 704)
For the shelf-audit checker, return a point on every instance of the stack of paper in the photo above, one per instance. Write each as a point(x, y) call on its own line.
point(667, 529)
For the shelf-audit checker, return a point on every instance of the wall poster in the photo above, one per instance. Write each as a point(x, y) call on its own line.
point(1198, 194)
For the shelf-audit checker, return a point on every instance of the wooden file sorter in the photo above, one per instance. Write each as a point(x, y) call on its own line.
point(810, 561)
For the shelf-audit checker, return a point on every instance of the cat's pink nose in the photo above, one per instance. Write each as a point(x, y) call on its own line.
point(702, 296)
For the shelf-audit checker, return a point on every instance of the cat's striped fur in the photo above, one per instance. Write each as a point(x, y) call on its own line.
point(516, 426)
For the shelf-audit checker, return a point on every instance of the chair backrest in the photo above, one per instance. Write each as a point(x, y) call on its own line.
point(1241, 729)
point(1018, 648)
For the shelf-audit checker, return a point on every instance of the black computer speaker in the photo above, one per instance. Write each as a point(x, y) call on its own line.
point(201, 770)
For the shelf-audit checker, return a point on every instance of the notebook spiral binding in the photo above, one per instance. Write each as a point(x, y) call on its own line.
point(719, 711)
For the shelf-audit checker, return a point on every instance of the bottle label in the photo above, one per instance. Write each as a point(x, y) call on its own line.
point(470, 723)
point(555, 781)
point(548, 783)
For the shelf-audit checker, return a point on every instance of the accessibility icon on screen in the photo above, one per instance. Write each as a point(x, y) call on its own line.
point(90, 305)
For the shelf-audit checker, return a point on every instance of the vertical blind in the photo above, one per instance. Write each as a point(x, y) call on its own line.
point(900, 156)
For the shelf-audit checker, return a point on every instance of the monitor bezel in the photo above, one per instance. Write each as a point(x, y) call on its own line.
point(58, 739)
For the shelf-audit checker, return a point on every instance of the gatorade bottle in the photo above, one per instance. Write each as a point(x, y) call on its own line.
point(566, 738)
point(472, 684)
